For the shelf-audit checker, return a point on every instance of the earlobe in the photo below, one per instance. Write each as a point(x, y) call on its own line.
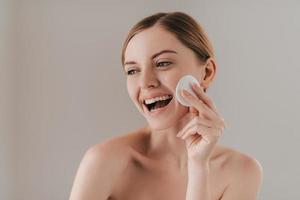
point(203, 87)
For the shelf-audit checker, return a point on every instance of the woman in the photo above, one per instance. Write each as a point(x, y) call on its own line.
point(176, 155)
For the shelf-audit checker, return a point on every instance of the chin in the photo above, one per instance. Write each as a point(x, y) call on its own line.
point(167, 122)
point(160, 125)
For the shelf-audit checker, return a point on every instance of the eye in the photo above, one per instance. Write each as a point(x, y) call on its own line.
point(131, 72)
point(163, 64)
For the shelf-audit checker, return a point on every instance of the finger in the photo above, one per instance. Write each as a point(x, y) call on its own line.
point(218, 123)
point(201, 121)
point(207, 101)
point(193, 110)
point(191, 130)
point(210, 135)
point(201, 94)
point(186, 118)
point(195, 120)
point(210, 114)
point(199, 105)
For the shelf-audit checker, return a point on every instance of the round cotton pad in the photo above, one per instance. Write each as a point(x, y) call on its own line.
point(185, 83)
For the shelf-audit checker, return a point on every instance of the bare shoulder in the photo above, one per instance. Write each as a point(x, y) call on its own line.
point(237, 162)
point(101, 167)
point(117, 150)
point(241, 162)
point(124, 145)
point(245, 174)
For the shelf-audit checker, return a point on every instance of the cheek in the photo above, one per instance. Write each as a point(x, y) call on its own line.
point(132, 91)
point(172, 79)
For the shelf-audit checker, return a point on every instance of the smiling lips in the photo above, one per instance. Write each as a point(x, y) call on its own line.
point(157, 102)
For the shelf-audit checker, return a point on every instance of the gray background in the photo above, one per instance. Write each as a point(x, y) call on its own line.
point(62, 88)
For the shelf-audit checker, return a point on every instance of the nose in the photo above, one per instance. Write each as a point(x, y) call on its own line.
point(149, 79)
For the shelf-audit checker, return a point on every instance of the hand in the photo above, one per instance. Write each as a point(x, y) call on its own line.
point(202, 133)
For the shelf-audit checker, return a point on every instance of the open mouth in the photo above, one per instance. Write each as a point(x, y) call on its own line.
point(158, 104)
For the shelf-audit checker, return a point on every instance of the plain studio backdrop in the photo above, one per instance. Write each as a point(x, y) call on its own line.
point(62, 88)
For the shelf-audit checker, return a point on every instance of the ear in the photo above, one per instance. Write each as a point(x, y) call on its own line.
point(209, 72)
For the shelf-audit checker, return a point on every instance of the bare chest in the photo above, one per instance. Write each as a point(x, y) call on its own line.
point(140, 182)
point(150, 186)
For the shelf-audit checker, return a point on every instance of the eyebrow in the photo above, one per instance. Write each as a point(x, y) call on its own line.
point(152, 57)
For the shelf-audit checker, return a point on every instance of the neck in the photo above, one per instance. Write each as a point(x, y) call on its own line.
point(164, 145)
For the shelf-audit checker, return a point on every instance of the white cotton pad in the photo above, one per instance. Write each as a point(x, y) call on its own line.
point(185, 83)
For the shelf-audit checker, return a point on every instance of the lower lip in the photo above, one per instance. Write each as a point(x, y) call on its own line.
point(158, 110)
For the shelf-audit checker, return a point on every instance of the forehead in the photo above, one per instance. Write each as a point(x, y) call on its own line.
point(150, 41)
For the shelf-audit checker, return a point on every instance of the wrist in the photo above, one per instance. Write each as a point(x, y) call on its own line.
point(198, 167)
point(198, 164)
point(198, 181)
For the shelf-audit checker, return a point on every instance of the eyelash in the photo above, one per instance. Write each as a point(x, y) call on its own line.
point(129, 71)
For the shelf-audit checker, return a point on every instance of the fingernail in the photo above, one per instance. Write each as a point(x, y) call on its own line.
point(185, 92)
point(195, 85)
point(184, 137)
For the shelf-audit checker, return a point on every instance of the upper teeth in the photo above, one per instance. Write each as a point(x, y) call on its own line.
point(161, 98)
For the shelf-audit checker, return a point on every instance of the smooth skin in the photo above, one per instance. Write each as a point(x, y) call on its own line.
point(176, 155)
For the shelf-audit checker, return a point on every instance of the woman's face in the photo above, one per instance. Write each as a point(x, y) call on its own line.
point(154, 62)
